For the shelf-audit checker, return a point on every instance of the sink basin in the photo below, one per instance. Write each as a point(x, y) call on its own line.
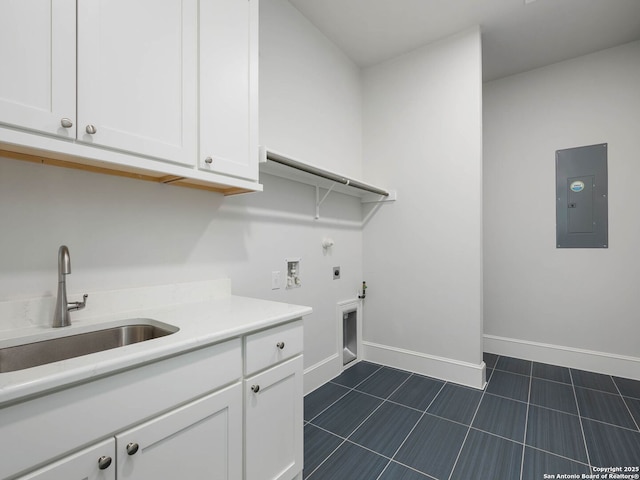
point(41, 352)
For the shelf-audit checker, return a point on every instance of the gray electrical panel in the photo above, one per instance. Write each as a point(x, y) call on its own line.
point(581, 197)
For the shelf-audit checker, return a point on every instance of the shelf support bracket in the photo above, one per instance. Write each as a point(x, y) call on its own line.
point(318, 201)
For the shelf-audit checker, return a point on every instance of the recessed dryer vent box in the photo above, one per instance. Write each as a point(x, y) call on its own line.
point(582, 197)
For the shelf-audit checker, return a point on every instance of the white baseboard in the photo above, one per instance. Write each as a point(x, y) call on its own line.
point(443, 368)
point(582, 359)
point(317, 375)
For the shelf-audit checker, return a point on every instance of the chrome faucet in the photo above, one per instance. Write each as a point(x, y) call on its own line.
point(61, 317)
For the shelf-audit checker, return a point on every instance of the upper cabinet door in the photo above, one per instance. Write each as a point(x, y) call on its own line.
point(137, 73)
point(228, 85)
point(38, 58)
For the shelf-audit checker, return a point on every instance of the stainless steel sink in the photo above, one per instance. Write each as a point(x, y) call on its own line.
point(40, 352)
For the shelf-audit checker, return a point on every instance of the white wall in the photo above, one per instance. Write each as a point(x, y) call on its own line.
point(310, 94)
point(585, 299)
point(127, 233)
point(423, 254)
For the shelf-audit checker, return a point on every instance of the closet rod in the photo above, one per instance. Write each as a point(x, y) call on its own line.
point(324, 174)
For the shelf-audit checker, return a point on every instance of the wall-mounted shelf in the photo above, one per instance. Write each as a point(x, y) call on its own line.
point(274, 163)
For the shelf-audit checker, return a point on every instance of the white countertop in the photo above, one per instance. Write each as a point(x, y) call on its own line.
point(201, 323)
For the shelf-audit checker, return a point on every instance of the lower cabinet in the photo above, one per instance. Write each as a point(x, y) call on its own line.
point(93, 463)
point(206, 414)
point(273, 422)
point(202, 439)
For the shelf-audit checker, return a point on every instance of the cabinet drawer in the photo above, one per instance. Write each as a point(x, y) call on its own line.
point(272, 346)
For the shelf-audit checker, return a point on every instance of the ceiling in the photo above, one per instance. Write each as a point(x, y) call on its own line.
point(517, 35)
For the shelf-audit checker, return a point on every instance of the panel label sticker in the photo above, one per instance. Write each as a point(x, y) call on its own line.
point(576, 186)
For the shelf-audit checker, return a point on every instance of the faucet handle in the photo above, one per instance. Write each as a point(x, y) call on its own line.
point(73, 306)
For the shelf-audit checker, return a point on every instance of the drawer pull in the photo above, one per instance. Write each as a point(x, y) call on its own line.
point(255, 388)
point(132, 448)
point(66, 123)
point(280, 345)
point(104, 462)
point(91, 129)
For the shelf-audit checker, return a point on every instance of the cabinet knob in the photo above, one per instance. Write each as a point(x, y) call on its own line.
point(91, 129)
point(255, 388)
point(280, 345)
point(66, 123)
point(132, 448)
point(208, 160)
point(104, 462)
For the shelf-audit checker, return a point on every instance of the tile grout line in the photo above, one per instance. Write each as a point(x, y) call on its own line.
point(484, 391)
point(625, 403)
point(584, 438)
point(414, 427)
point(377, 408)
point(349, 390)
point(430, 414)
point(411, 374)
point(346, 439)
point(325, 459)
point(526, 423)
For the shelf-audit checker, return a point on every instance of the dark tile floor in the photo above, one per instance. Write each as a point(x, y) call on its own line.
point(378, 423)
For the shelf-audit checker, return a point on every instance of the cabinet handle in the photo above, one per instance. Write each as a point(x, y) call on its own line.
point(66, 123)
point(280, 345)
point(208, 160)
point(91, 129)
point(132, 448)
point(104, 462)
point(255, 388)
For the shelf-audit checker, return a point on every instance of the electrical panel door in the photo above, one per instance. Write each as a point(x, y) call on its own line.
point(581, 197)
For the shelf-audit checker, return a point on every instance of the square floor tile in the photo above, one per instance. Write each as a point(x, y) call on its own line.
point(551, 372)
point(321, 398)
point(538, 463)
point(383, 382)
point(611, 446)
point(634, 408)
point(318, 445)
point(487, 456)
point(596, 381)
point(456, 403)
point(386, 429)
point(352, 376)
point(558, 396)
point(395, 471)
point(604, 407)
point(509, 385)
point(514, 365)
point(417, 392)
point(628, 387)
point(556, 432)
point(433, 446)
point(347, 413)
point(501, 416)
point(490, 359)
point(350, 462)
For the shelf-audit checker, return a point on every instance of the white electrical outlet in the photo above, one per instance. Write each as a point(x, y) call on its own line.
point(275, 280)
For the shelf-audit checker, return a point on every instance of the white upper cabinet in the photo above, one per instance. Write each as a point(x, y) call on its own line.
point(38, 58)
point(228, 84)
point(137, 69)
point(163, 90)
